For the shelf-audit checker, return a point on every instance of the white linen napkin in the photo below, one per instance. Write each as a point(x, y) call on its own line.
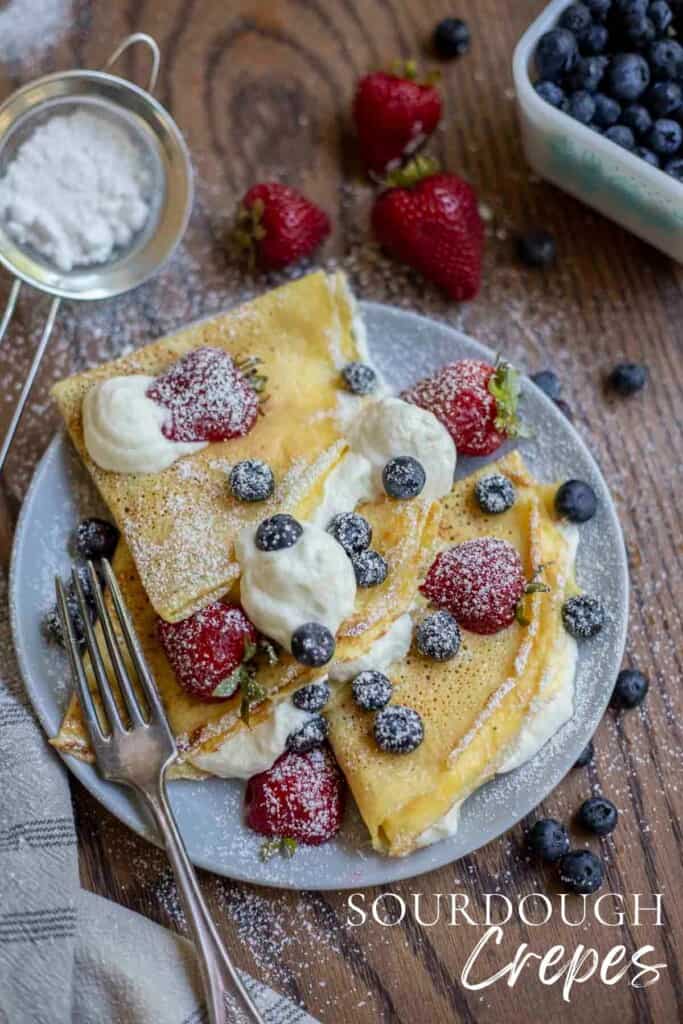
point(65, 954)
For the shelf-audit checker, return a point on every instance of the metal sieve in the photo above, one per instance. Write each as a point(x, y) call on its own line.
point(152, 129)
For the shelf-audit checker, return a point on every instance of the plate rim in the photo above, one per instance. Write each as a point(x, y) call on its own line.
point(399, 869)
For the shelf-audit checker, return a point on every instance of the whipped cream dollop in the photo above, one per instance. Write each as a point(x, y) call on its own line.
point(311, 581)
point(253, 750)
point(123, 428)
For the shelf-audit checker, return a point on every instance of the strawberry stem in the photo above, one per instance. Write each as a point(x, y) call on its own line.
point(419, 168)
point(505, 387)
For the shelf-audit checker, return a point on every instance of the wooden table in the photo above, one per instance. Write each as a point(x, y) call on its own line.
point(262, 90)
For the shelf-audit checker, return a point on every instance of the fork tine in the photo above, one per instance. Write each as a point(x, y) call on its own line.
point(99, 671)
point(130, 697)
point(77, 670)
point(156, 708)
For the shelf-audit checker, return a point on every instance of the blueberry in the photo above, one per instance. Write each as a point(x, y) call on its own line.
point(95, 538)
point(628, 76)
point(371, 690)
point(587, 74)
point(403, 477)
point(577, 19)
point(598, 815)
point(565, 409)
point(638, 30)
point(576, 501)
point(583, 616)
point(595, 40)
point(581, 871)
point(647, 155)
point(312, 733)
point(438, 636)
point(664, 98)
point(586, 755)
point(312, 644)
point(352, 531)
point(666, 59)
point(252, 480)
point(599, 8)
point(451, 38)
point(621, 135)
point(625, 8)
point(675, 168)
point(278, 532)
point(581, 106)
point(370, 568)
point(398, 729)
point(494, 493)
point(537, 248)
point(548, 839)
point(552, 93)
point(665, 137)
point(607, 110)
point(313, 697)
point(359, 378)
point(630, 689)
point(637, 118)
point(548, 382)
point(556, 53)
point(661, 15)
point(52, 623)
point(628, 378)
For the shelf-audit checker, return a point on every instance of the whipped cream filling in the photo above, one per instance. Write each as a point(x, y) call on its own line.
point(392, 646)
point(311, 581)
point(123, 428)
point(253, 750)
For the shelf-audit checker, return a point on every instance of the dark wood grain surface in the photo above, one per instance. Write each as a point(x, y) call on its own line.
point(262, 90)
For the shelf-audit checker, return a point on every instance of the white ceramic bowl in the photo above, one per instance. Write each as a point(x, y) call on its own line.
point(577, 159)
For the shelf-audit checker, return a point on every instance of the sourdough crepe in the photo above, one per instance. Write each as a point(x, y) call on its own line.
point(474, 706)
point(180, 524)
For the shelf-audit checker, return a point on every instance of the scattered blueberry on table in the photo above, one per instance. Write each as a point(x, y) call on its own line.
point(586, 755)
point(630, 689)
point(582, 872)
point(628, 378)
point(548, 839)
point(598, 815)
point(451, 38)
point(548, 382)
point(537, 249)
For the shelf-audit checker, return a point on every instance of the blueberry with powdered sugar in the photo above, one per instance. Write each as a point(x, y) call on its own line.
point(312, 644)
point(52, 623)
point(370, 568)
point(398, 729)
point(352, 531)
point(583, 616)
point(438, 636)
point(95, 538)
point(403, 477)
point(312, 733)
point(313, 697)
point(252, 480)
point(495, 494)
point(371, 690)
point(278, 532)
point(359, 378)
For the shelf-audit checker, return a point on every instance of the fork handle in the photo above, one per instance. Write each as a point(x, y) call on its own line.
point(226, 996)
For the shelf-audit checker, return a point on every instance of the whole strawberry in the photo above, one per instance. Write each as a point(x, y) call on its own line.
point(475, 401)
point(393, 115)
point(276, 225)
point(432, 223)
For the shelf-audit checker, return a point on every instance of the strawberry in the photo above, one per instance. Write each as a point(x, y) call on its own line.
point(276, 225)
point(301, 798)
point(480, 582)
point(431, 222)
point(209, 650)
point(393, 115)
point(475, 401)
point(209, 397)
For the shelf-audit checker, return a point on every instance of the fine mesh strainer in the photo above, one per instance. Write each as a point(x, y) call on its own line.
point(152, 129)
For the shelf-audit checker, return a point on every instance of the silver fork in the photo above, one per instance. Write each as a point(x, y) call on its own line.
point(138, 755)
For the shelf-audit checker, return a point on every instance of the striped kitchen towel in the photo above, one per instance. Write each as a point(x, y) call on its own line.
point(66, 955)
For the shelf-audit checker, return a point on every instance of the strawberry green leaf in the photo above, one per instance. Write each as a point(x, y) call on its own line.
point(505, 387)
point(270, 847)
point(289, 847)
point(234, 681)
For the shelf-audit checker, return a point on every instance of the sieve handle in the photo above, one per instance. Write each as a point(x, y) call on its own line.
point(31, 376)
point(139, 37)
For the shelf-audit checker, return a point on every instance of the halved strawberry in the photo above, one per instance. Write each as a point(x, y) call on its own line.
point(209, 651)
point(475, 401)
point(208, 396)
point(300, 798)
point(480, 582)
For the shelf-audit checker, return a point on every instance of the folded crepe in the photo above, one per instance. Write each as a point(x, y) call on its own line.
point(474, 706)
point(180, 524)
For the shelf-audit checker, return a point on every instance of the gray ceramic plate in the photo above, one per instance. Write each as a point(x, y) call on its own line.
point(406, 347)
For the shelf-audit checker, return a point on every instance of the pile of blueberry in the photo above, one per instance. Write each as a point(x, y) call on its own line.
point(617, 66)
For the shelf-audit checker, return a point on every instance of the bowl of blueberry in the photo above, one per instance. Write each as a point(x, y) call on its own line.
point(600, 93)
